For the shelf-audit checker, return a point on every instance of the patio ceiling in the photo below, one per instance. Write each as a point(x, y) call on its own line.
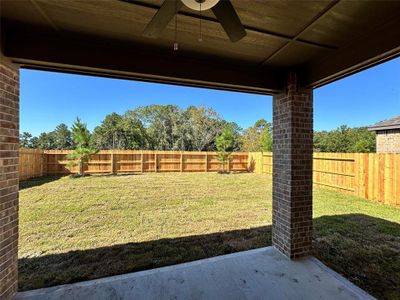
point(321, 40)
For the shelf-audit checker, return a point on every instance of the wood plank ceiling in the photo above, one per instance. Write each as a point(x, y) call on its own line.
point(322, 40)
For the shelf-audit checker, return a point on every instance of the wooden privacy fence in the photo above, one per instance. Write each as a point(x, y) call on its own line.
point(368, 175)
point(373, 176)
point(30, 163)
point(131, 161)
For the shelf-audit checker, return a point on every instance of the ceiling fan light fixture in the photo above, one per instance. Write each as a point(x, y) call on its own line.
point(223, 10)
point(200, 5)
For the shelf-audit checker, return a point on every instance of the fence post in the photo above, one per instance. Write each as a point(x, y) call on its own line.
point(206, 161)
point(357, 174)
point(155, 162)
point(41, 163)
point(141, 162)
point(181, 161)
point(262, 162)
point(112, 162)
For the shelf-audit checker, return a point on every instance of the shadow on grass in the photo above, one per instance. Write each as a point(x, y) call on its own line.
point(82, 265)
point(362, 248)
point(120, 174)
point(38, 181)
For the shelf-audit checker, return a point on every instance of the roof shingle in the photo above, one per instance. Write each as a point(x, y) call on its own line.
point(393, 123)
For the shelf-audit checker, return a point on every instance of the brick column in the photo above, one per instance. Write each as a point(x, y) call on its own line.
point(292, 170)
point(9, 141)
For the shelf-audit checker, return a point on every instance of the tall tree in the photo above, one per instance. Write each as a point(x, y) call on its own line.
point(159, 121)
point(206, 125)
point(345, 139)
point(45, 141)
point(34, 142)
point(362, 140)
point(25, 140)
point(134, 133)
point(183, 132)
point(62, 137)
point(236, 131)
point(109, 134)
point(257, 137)
point(266, 139)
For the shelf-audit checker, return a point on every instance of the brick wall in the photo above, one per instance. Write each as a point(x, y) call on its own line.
point(9, 139)
point(292, 171)
point(388, 141)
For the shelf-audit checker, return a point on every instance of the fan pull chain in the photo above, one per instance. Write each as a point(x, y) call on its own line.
point(200, 33)
point(176, 47)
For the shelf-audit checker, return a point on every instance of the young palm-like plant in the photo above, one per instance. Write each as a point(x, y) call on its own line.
point(224, 144)
point(82, 152)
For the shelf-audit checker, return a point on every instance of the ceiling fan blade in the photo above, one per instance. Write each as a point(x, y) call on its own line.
point(227, 16)
point(162, 17)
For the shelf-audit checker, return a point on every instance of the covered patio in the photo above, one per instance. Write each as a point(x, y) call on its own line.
point(285, 49)
point(262, 273)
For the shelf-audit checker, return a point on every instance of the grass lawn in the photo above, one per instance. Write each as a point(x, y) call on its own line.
point(85, 228)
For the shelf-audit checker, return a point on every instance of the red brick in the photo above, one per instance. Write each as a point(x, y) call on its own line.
point(292, 171)
point(9, 133)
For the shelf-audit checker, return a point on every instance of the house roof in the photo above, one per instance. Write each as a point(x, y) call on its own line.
point(321, 40)
point(393, 123)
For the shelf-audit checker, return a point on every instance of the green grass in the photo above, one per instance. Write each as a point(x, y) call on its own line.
point(85, 228)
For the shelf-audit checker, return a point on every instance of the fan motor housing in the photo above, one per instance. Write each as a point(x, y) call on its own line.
point(200, 5)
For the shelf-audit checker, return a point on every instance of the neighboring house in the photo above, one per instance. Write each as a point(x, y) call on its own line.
point(387, 135)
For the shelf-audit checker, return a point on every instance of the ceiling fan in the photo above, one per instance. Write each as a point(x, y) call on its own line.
point(222, 9)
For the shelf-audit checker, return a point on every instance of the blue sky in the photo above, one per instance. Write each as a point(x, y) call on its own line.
point(48, 99)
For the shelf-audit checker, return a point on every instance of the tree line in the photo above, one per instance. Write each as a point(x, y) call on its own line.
point(345, 140)
point(169, 127)
point(159, 127)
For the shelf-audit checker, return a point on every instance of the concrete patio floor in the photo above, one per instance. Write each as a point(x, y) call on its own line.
point(256, 274)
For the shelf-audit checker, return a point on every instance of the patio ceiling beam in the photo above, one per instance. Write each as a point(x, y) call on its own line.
point(384, 46)
point(248, 28)
point(40, 50)
point(45, 15)
point(309, 25)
